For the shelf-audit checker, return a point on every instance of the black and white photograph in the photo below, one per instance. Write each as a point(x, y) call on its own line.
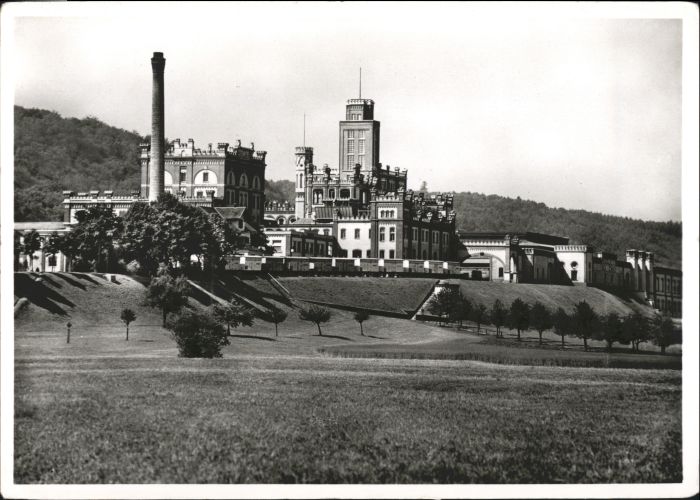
point(349, 250)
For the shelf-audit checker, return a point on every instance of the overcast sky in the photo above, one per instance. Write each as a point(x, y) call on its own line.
point(573, 112)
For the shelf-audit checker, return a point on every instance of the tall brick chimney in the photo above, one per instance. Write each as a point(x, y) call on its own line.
point(157, 162)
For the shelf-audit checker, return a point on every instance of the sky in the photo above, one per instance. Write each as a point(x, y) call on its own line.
point(572, 111)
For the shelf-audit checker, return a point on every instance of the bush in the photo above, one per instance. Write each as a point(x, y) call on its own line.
point(198, 335)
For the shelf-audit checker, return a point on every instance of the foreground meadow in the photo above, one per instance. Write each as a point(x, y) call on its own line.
point(274, 410)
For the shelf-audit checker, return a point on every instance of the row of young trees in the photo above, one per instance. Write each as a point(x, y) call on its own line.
point(166, 232)
point(451, 306)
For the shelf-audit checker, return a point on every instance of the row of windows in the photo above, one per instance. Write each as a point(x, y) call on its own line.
point(357, 254)
point(424, 235)
point(387, 214)
point(392, 233)
point(317, 197)
point(360, 146)
point(351, 160)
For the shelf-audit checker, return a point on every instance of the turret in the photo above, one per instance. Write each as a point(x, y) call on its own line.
point(304, 158)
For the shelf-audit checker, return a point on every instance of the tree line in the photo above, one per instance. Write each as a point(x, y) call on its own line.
point(451, 306)
point(166, 232)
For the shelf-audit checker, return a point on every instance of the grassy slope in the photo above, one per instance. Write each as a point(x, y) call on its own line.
point(552, 296)
point(397, 295)
point(273, 410)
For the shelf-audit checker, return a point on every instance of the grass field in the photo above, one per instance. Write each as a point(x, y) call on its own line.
point(275, 410)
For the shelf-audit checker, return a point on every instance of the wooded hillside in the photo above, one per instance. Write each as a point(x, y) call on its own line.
point(53, 153)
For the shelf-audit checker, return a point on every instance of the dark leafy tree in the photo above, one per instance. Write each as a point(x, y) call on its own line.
point(277, 316)
point(233, 314)
point(127, 316)
point(93, 237)
point(663, 332)
point(463, 309)
point(198, 335)
point(51, 245)
point(170, 233)
point(442, 304)
point(561, 322)
point(584, 322)
point(31, 244)
point(167, 293)
point(361, 316)
point(479, 315)
point(540, 319)
point(499, 315)
point(635, 330)
point(315, 314)
point(519, 316)
point(610, 329)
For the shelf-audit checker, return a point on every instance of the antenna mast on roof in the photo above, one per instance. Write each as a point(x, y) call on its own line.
point(304, 143)
point(360, 82)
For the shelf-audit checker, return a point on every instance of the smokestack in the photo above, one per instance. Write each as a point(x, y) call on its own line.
point(157, 164)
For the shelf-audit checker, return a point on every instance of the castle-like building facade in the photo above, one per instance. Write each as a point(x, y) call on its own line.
point(364, 205)
point(357, 218)
point(210, 178)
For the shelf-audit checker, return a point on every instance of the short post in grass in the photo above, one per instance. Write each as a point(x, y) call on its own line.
point(68, 325)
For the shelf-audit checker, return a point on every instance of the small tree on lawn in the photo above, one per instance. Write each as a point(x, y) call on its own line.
point(663, 332)
point(499, 314)
point(464, 308)
point(584, 322)
point(198, 335)
point(277, 316)
point(540, 319)
point(479, 315)
point(361, 316)
point(233, 314)
point(315, 314)
point(562, 324)
point(635, 330)
point(519, 316)
point(610, 329)
point(444, 304)
point(127, 317)
point(31, 243)
point(167, 293)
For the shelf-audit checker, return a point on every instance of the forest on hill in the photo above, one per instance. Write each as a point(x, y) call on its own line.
point(53, 154)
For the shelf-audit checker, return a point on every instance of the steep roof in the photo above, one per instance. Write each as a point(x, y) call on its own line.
point(228, 213)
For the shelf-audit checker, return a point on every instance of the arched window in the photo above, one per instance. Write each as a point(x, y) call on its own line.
point(281, 221)
point(231, 178)
point(256, 182)
point(318, 196)
point(167, 178)
point(205, 177)
point(243, 181)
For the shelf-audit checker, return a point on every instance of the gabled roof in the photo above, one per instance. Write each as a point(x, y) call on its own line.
point(228, 213)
